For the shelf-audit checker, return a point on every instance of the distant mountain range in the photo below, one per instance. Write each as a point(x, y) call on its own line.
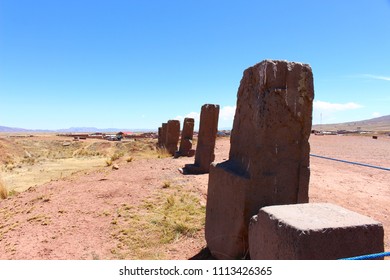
point(6, 129)
point(375, 124)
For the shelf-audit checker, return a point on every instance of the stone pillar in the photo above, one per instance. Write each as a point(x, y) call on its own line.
point(163, 135)
point(269, 153)
point(312, 231)
point(172, 136)
point(159, 142)
point(208, 128)
point(186, 137)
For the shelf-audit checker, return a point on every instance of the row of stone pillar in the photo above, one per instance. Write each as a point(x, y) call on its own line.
point(168, 138)
point(169, 134)
point(268, 169)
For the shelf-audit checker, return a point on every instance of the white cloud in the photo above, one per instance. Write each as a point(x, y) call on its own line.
point(226, 113)
point(376, 114)
point(194, 115)
point(226, 116)
point(331, 107)
point(326, 112)
point(376, 77)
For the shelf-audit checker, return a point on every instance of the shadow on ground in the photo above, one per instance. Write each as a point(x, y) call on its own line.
point(203, 254)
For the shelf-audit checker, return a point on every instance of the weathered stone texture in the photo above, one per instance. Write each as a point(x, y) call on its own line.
point(163, 135)
point(269, 154)
point(172, 136)
point(312, 231)
point(160, 141)
point(208, 128)
point(186, 137)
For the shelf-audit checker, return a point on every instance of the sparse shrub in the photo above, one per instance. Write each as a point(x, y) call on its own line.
point(12, 193)
point(108, 162)
point(129, 159)
point(3, 190)
point(9, 161)
point(117, 155)
point(166, 185)
point(10, 167)
point(163, 153)
point(29, 160)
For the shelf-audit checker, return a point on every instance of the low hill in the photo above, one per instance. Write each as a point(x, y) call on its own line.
point(6, 129)
point(12, 129)
point(381, 124)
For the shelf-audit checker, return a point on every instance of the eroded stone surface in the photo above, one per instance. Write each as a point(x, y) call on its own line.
point(312, 231)
point(163, 135)
point(208, 128)
point(172, 136)
point(186, 137)
point(160, 139)
point(269, 148)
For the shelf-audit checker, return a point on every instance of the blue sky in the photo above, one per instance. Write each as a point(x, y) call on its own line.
point(136, 64)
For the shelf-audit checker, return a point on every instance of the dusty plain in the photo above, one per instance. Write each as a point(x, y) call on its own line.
point(67, 202)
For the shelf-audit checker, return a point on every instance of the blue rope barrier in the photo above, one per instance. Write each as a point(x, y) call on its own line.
point(352, 162)
point(369, 257)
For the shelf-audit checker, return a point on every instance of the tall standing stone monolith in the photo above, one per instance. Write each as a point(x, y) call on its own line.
point(208, 128)
point(269, 154)
point(172, 136)
point(163, 135)
point(159, 142)
point(186, 137)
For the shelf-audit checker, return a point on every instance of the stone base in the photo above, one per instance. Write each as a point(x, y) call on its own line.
point(312, 231)
point(185, 146)
point(190, 153)
point(194, 169)
point(226, 213)
point(171, 149)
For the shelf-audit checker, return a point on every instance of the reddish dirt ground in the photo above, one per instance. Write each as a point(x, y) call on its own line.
point(63, 219)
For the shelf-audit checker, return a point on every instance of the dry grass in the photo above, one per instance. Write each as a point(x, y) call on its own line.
point(166, 184)
point(117, 155)
point(32, 161)
point(3, 190)
point(129, 159)
point(146, 231)
point(163, 153)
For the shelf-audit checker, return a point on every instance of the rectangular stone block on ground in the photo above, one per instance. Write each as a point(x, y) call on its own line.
point(312, 231)
point(231, 233)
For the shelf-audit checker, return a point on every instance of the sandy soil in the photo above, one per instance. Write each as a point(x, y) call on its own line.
point(360, 189)
point(71, 218)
